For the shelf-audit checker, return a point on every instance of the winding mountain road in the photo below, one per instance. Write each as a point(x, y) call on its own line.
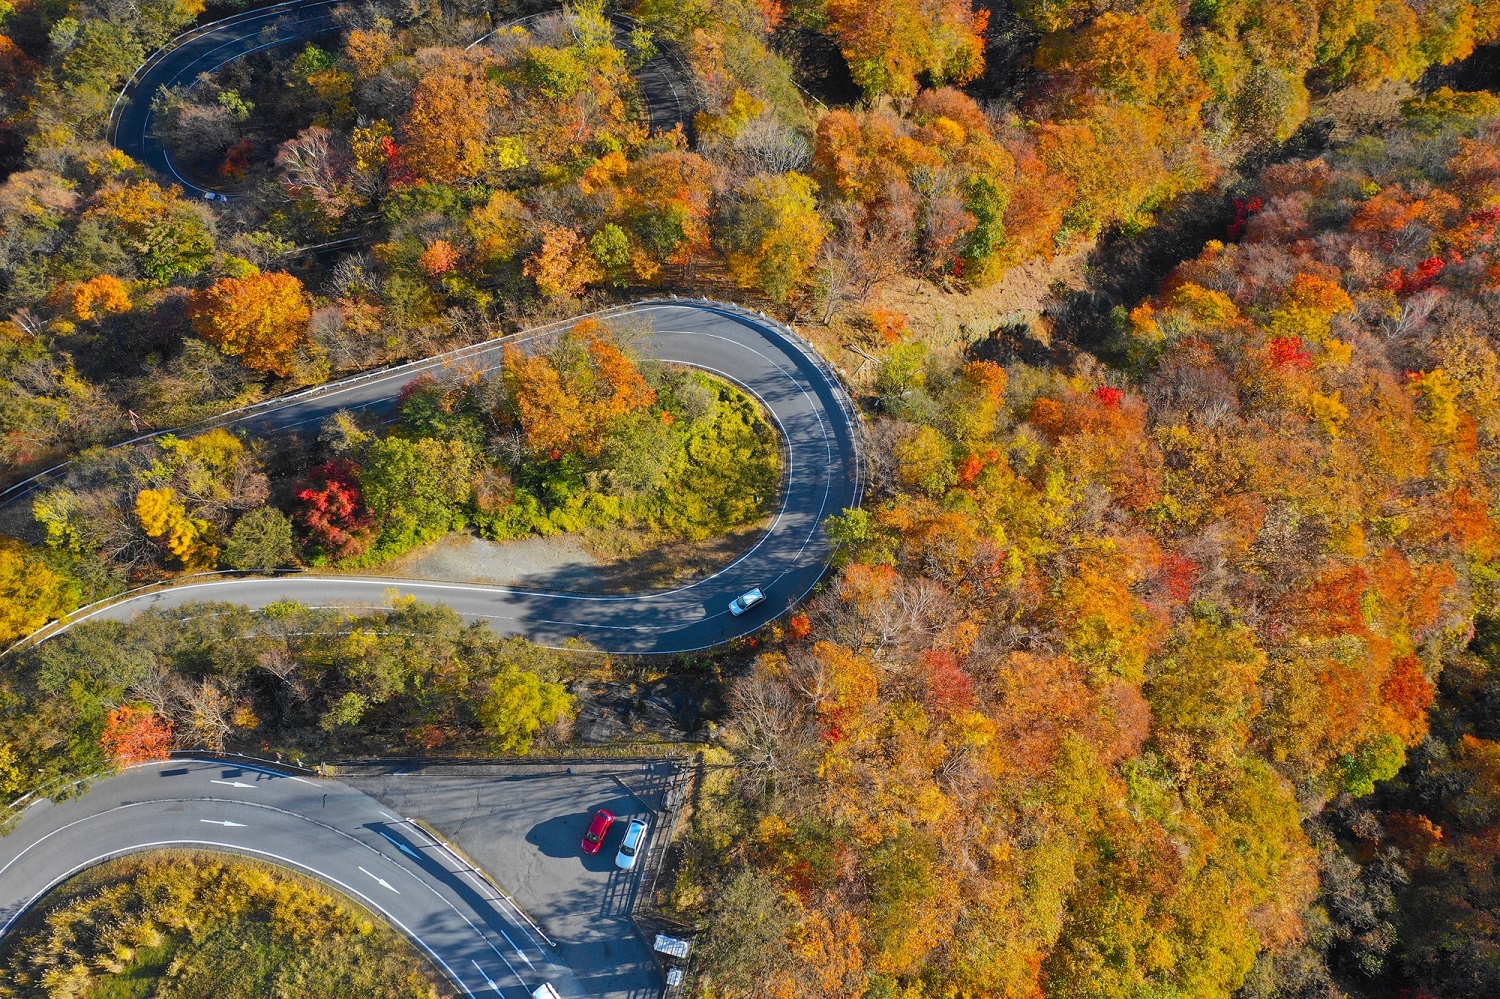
point(322, 828)
point(665, 86)
point(820, 477)
point(334, 832)
point(200, 50)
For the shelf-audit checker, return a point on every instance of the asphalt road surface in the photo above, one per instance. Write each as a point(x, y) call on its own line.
point(321, 828)
point(820, 477)
point(203, 51)
point(521, 823)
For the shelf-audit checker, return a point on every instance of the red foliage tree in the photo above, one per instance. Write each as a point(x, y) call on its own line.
point(333, 511)
point(1420, 278)
point(1242, 211)
point(136, 735)
point(397, 173)
point(1177, 577)
point(946, 686)
point(1288, 352)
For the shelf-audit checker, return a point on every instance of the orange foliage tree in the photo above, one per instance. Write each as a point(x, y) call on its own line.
point(565, 399)
point(100, 296)
point(261, 319)
point(445, 133)
point(135, 734)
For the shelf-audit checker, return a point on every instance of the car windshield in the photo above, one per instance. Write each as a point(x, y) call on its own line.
point(627, 849)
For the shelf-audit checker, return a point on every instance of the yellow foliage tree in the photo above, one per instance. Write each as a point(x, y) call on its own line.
point(1309, 307)
point(497, 228)
point(163, 517)
point(31, 593)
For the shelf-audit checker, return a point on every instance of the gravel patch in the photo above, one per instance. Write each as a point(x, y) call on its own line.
point(463, 558)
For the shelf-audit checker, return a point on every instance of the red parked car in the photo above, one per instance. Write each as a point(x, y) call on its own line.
point(598, 829)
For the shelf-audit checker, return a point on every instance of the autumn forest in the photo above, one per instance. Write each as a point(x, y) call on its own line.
point(1162, 656)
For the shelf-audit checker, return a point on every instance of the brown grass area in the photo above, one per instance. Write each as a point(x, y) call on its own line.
point(948, 319)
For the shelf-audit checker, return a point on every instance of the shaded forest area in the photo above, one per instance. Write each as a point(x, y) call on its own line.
point(1160, 659)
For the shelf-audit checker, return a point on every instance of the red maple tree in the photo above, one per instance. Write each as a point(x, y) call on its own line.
point(136, 735)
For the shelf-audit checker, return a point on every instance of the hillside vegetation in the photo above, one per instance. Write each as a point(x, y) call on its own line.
point(170, 925)
point(1105, 643)
point(1159, 661)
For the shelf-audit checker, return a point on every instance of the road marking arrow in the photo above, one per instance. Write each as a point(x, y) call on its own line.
point(401, 846)
point(518, 950)
point(233, 783)
point(223, 822)
point(484, 976)
point(382, 882)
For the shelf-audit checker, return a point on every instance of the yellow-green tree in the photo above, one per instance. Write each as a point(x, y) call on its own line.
point(773, 234)
point(519, 705)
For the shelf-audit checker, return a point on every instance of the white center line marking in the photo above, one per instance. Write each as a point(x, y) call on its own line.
point(382, 882)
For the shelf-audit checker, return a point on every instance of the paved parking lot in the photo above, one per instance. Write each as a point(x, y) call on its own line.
point(522, 824)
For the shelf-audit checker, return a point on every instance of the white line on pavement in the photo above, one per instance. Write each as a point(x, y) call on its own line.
point(382, 882)
point(487, 978)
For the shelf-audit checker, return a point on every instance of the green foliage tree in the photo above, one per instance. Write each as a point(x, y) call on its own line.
point(260, 540)
point(416, 490)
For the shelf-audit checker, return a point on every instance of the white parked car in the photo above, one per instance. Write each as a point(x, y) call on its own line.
point(545, 991)
point(630, 846)
point(745, 601)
